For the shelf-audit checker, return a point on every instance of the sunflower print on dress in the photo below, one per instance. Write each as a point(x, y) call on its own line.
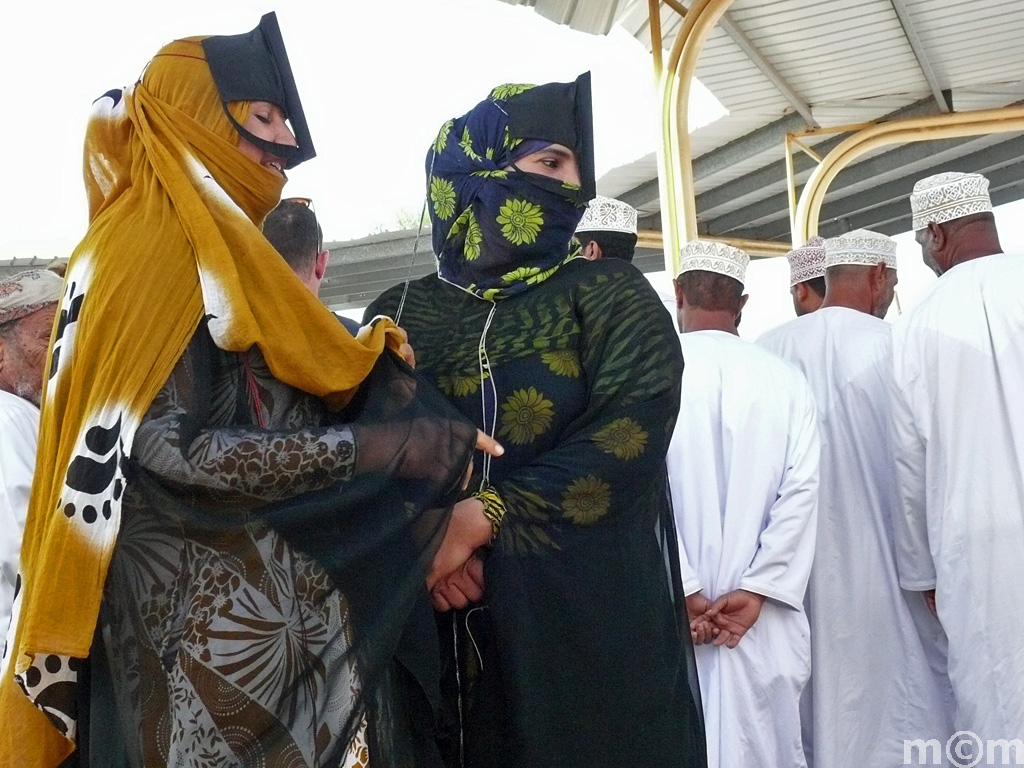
point(587, 500)
point(525, 415)
point(624, 438)
point(496, 231)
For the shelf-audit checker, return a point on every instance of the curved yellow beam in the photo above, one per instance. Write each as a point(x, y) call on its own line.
point(678, 185)
point(942, 126)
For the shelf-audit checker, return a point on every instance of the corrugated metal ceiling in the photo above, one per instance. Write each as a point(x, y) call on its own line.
point(851, 63)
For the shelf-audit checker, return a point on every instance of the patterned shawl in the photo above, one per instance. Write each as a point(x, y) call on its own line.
point(498, 231)
point(173, 236)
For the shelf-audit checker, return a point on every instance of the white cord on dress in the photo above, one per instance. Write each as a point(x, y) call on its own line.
point(415, 245)
point(485, 368)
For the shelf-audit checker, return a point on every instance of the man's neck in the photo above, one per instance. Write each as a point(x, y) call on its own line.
point(851, 297)
point(973, 245)
point(708, 320)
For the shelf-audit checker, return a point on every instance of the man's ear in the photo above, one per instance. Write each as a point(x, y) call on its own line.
point(679, 293)
point(592, 251)
point(743, 302)
point(801, 290)
point(879, 276)
point(938, 235)
point(320, 266)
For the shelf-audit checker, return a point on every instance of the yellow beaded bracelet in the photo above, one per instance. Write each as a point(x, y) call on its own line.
point(494, 509)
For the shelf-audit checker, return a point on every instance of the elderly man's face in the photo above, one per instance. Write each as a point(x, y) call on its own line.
point(24, 354)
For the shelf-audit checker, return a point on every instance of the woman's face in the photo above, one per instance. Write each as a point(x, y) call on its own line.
point(555, 161)
point(266, 121)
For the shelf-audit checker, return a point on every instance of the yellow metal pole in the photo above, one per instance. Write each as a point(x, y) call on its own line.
point(791, 187)
point(804, 148)
point(827, 130)
point(668, 218)
point(930, 128)
point(651, 238)
point(667, 158)
point(697, 25)
point(654, 10)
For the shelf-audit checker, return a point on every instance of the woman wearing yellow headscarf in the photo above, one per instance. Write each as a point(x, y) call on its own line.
point(251, 494)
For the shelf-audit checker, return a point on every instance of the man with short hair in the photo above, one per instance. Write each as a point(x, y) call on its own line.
point(743, 469)
point(877, 675)
point(292, 228)
point(28, 302)
point(608, 230)
point(807, 276)
point(959, 423)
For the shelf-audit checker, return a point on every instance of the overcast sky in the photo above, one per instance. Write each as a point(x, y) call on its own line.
point(377, 78)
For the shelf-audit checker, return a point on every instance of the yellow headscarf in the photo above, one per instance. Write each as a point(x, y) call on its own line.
point(173, 237)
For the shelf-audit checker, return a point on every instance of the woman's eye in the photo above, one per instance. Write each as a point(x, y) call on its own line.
point(263, 119)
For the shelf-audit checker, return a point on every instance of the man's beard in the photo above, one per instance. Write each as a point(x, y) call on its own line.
point(29, 391)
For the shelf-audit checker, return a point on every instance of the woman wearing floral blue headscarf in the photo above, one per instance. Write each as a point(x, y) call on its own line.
point(579, 652)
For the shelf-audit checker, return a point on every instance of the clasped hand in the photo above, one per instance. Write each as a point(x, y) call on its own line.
point(456, 576)
point(724, 621)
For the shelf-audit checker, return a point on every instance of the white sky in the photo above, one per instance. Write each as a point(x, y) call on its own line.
point(376, 77)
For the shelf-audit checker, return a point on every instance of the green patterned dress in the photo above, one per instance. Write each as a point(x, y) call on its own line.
point(579, 657)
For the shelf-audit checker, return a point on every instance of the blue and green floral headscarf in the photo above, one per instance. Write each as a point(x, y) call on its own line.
point(498, 230)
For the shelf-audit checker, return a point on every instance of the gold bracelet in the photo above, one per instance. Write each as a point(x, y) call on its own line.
point(494, 509)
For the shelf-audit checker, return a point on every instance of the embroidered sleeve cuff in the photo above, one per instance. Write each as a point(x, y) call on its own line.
point(494, 509)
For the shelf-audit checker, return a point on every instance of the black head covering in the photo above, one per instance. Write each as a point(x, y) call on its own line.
point(561, 113)
point(254, 67)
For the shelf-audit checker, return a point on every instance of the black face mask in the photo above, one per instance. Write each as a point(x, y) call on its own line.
point(254, 67)
point(561, 113)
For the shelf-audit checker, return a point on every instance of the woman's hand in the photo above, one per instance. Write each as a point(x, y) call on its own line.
point(464, 586)
point(405, 351)
point(468, 530)
point(487, 444)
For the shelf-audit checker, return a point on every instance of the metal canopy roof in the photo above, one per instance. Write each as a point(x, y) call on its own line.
point(784, 66)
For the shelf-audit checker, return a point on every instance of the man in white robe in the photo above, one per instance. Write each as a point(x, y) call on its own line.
point(743, 468)
point(877, 676)
point(28, 302)
point(958, 409)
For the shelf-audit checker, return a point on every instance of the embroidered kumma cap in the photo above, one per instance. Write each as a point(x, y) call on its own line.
point(861, 247)
point(24, 293)
point(807, 262)
point(606, 214)
point(948, 196)
point(711, 256)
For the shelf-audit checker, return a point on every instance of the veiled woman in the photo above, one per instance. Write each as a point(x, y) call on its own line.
point(579, 654)
point(253, 495)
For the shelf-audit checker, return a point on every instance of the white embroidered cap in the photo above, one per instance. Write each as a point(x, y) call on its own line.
point(948, 196)
point(860, 247)
point(711, 256)
point(807, 262)
point(24, 293)
point(606, 214)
